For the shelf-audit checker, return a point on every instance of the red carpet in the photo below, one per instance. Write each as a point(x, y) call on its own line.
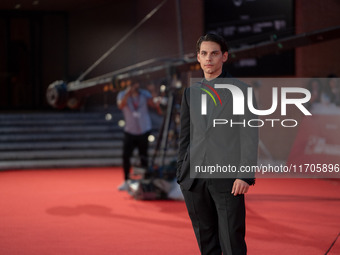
point(80, 212)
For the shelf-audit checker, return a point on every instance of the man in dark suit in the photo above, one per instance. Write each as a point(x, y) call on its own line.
point(215, 203)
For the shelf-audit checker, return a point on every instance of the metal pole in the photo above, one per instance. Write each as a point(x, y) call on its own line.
point(106, 54)
point(179, 28)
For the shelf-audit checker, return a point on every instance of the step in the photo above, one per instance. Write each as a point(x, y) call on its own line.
point(57, 115)
point(60, 145)
point(39, 137)
point(59, 128)
point(55, 154)
point(59, 163)
point(54, 121)
point(80, 153)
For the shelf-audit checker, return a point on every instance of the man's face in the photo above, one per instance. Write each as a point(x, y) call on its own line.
point(211, 59)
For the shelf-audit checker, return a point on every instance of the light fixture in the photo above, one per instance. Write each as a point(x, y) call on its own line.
point(121, 123)
point(151, 138)
point(108, 116)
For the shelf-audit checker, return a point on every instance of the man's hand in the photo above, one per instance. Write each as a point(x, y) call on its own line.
point(155, 105)
point(128, 91)
point(239, 187)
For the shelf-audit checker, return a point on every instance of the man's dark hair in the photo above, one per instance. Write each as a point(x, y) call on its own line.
point(212, 38)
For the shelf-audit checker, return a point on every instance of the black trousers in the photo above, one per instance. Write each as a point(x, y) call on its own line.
point(218, 219)
point(130, 143)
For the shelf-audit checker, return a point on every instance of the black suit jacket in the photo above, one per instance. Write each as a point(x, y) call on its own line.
point(200, 143)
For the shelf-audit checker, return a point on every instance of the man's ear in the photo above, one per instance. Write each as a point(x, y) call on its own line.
point(198, 57)
point(225, 56)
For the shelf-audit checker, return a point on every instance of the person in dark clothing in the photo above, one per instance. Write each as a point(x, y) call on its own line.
point(215, 205)
point(134, 102)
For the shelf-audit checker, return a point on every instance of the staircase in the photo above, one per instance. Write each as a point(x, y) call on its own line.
point(56, 140)
point(50, 140)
